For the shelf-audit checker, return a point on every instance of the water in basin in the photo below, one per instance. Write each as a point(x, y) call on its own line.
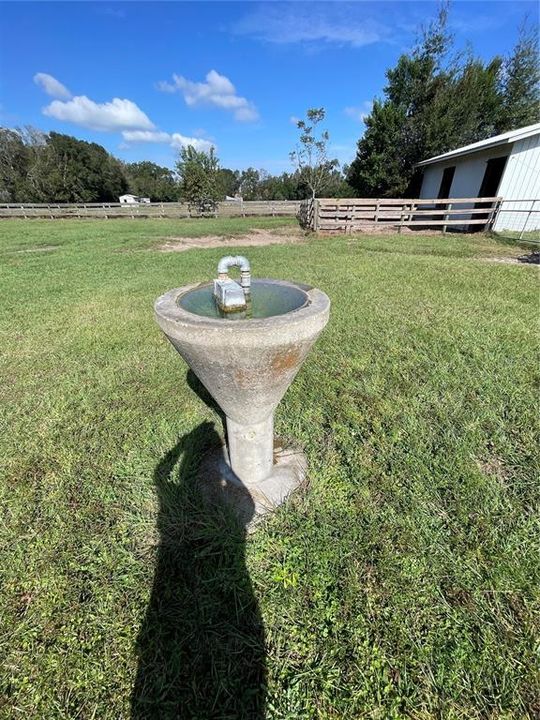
point(268, 299)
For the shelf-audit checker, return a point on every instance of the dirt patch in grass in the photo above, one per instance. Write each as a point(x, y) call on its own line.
point(253, 238)
point(41, 248)
point(495, 467)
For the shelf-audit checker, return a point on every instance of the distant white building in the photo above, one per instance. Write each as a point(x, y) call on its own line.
point(132, 199)
point(506, 166)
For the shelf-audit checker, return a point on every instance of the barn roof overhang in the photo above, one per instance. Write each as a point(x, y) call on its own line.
point(507, 138)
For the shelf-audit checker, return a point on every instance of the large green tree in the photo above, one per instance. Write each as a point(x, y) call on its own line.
point(199, 177)
point(14, 162)
point(435, 101)
point(397, 127)
point(150, 180)
point(521, 82)
point(71, 170)
point(249, 184)
point(467, 108)
point(381, 166)
point(35, 167)
point(228, 182)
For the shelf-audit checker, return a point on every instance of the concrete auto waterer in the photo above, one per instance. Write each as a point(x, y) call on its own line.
point(246, 341)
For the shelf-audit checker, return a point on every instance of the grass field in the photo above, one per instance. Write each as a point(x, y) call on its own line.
point(403, 583)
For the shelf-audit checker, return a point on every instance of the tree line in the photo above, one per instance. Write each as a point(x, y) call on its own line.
point(52, 167)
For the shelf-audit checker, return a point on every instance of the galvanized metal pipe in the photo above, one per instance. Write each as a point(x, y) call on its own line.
point(245, 270)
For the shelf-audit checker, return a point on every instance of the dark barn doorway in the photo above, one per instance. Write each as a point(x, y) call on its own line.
point(446, 182)
point(492, 176)
point(489, 188)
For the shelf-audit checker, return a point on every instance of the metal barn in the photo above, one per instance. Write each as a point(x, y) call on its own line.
point(506, 166)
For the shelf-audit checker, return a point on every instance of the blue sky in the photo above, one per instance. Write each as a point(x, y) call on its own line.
point(142, 78)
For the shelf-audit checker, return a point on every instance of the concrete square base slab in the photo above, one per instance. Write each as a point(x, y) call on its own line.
point(252, 501)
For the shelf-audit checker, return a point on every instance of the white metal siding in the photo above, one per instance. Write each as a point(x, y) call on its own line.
point(468, 176)
point(521, 181)
point(431, 181)
point(467, 179)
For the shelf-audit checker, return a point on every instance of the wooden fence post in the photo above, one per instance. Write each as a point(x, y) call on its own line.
point(401, 217)
point(448, 207)
point(499, 205)
point(412, 208)
point(489, 223)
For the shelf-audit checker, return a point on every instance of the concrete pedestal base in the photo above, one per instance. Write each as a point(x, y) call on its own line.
point(252, 500)
point(251, 449)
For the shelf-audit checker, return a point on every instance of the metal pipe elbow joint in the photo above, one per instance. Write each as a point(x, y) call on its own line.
point(245, 270)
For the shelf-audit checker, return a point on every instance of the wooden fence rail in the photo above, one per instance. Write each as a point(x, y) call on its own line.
point(348, 215)
point(351, 214)
point(326, 215)
point(106, 211)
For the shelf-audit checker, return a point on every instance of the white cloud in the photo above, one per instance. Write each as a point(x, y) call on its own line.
point(151, 136)
point(359, 113)
point(112, 12)
point(52, 86)
point(338, 24)
point(217, 91)
point(175, 140)
point(118, 114)
point(167, 87)
point(179, 140)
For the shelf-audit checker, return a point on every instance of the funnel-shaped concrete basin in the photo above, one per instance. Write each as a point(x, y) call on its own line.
point(247, 365)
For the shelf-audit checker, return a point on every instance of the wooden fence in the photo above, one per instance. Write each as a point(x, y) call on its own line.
point(306, 214)
point(145, 210)
point(348, 215)
point(325, 215)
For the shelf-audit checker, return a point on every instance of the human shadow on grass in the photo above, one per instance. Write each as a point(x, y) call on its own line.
point(198, 388)
point(201, 648)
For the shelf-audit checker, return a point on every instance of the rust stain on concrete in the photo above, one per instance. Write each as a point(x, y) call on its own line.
point(285, 360)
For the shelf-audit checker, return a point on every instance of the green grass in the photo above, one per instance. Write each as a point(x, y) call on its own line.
point(530, 239)
point(402, 584)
